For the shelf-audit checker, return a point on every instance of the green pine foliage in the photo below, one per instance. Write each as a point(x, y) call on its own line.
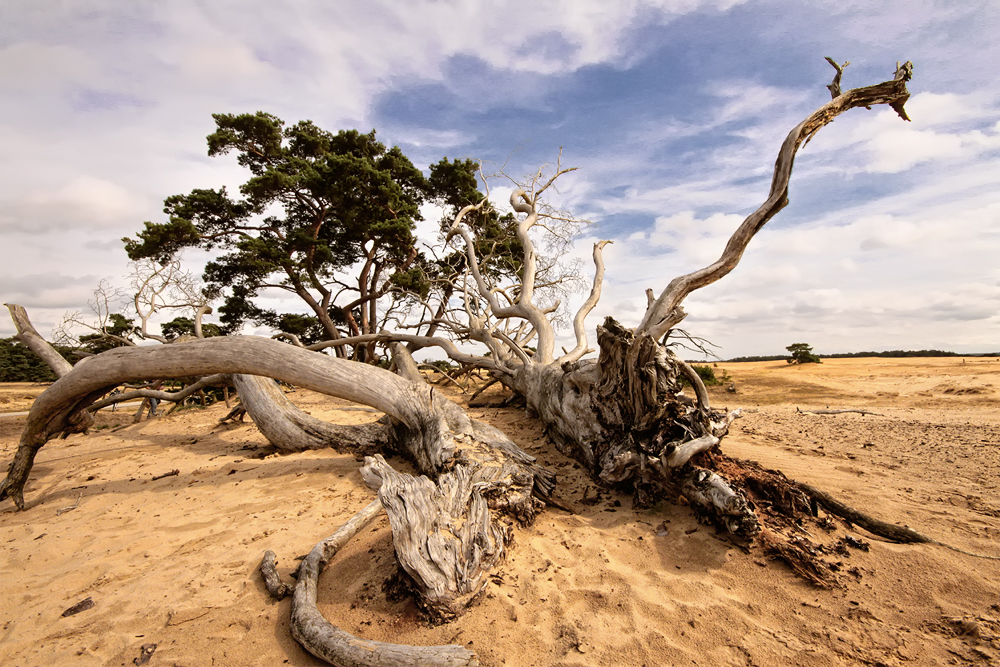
point(802, 354)
point(19, 364)
point(314, 206)
point(184, 326)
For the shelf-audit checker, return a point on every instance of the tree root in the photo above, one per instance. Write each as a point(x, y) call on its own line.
point(445, 537)
point(801, 556)
point(889, 531)
point(328, 642)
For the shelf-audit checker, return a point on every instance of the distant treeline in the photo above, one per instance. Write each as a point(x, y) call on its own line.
point(854, 355)
point(20, 364)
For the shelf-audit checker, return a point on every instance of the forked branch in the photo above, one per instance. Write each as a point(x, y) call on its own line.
point(666, 312)
point(595, 295)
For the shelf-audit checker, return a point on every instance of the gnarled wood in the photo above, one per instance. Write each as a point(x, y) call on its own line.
point(666, 312)
point(328, 642)
point(291, 430)
point(269, 573)
point(445, 537)
point(437, 434)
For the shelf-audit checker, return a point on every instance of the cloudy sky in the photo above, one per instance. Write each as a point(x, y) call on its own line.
point(672, 110)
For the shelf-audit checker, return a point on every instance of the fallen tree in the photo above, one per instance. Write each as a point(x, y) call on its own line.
point(625, 416)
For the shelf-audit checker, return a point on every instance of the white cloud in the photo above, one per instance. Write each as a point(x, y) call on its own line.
point(84, 202)
point(945, 127)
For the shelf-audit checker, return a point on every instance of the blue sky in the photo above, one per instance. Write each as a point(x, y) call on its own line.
point(672, 110)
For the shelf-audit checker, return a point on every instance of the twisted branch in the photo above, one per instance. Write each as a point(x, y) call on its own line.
point(663, 314)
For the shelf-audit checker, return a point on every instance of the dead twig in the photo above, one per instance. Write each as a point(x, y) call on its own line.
point(71, 507)
point(836, 412)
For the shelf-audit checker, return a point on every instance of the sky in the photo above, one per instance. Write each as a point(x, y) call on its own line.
point(672, 111)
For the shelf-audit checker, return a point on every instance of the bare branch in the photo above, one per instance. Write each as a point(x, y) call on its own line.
point(426, 341)
point(595, 295)
point(666, 312)
point(835, 86)
point(169, 396)
point(27, 334)
point(203, 310)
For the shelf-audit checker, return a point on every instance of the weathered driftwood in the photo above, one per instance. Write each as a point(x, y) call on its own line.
point(627, 418)
point(269, 573)
point(291, 430)
point(328, 642)
point(444, 534)
point(836, 412)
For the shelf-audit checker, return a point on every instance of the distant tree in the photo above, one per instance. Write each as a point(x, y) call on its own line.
point(118, 331)
point(802, 354)
point(184, 326)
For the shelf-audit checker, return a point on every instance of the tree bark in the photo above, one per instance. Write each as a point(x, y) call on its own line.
point(290, 430)
point(26, 334)
point(444, 534)
point(627, 418)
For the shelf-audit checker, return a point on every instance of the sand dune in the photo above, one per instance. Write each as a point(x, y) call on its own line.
point(172, 561)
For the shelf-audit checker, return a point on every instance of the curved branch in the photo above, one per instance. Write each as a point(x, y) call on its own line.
point(328, 642)
point(291, 430)
point(666, 312)
point(696, 383)
point(203, 310)
point(292, 338)
point(27, 334)
point(425, 341)
point(595, 295)
point(170, 396)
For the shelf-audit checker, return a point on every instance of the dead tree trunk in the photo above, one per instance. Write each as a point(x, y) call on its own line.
point(625, 416)
point(436, 434)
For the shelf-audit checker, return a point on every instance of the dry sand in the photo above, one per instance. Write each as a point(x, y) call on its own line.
point(172, 562)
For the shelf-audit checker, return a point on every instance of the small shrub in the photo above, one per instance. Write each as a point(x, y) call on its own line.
point(708, 376)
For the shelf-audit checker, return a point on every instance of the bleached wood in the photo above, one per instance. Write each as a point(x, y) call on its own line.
point(666, 312)
point(581, 315)
point(291, 430)
point(681, 453)
point(27, 334)
point(338, 647)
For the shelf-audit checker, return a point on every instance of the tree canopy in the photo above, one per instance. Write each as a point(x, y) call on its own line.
point(802, 354)
point(327, 217)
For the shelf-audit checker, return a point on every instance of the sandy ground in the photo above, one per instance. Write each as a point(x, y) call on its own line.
point(172, 561)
